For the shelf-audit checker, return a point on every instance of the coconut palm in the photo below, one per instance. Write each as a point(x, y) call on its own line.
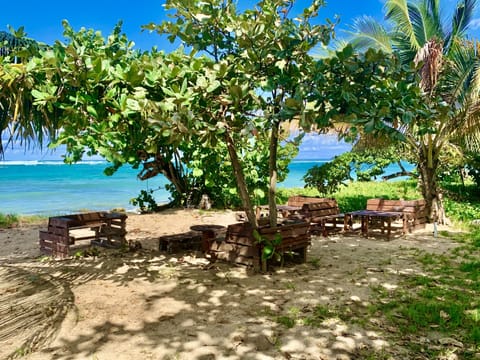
point(449, 77)
point(19, 120)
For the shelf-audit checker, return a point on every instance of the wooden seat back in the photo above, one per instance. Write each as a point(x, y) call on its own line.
point(414, 211)
point(299, 200)
point(326, 207)
point(409, 206)
point(58, 237)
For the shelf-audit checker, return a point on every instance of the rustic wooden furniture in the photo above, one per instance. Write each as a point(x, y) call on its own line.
point(191, 240)
point(382, 213)
point(322, 215)
point(300, 200)
point(209, 234)
point(240, 247)
point(293, 206)
point(102, 228)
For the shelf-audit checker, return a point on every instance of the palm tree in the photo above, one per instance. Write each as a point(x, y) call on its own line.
point(19, 120)
point(449, 77)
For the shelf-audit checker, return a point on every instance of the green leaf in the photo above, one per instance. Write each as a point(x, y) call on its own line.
point(92, 111)
point(197, 172)
point(268, 251)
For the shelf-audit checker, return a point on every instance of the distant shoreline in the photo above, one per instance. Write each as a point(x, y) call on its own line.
point(95, 162)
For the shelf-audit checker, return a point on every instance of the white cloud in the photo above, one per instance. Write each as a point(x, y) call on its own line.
point(315, 146)
point(475, 24)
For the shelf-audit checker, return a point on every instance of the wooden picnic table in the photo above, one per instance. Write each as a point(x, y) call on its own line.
point(367, 215)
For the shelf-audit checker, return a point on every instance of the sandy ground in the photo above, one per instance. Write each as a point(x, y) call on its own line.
point(147, 304)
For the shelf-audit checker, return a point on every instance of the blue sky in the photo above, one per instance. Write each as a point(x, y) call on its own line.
point(42, 21)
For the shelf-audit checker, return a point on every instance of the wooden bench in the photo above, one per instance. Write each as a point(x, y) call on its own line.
point(102, 228)
point(240, 247)
point(322, 215)
point(300, 200)
point(381, 213)
point(293, 206)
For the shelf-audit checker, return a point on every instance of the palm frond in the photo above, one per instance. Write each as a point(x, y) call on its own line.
point(368, 33)
point(431, 9)
point(461, 75)
point(461, 19)
point(323, 52)
point(419, 26)
point(398, 11)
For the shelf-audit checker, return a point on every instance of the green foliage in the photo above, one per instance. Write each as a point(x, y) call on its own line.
point(330, 176)
point(343, 81)
point(214, 170)
point(365, 164)
point(447, 123)
point(8, 220)
point(145, 109)
point(447, 302)
point(286, 321)
point(355, 195)
point(145, 201)
point(253, 81)
point(268, 246)
point(463, 210)
point(473, 166)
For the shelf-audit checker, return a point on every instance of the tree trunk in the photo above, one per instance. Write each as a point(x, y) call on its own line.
point(430, 190)
point(272, 170)
point(168, 166)
point(241, 183)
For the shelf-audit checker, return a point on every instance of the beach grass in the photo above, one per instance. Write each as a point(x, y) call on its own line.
point(14, 220)
point(8, 220)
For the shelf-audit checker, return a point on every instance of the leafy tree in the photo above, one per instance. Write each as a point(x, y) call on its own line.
point(365, 164)
point(110, 100)
point(19, 120)
point(256, 78)
point(447, 76)
point(328, 177)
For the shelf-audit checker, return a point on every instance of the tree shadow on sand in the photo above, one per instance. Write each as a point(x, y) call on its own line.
point(155, 305)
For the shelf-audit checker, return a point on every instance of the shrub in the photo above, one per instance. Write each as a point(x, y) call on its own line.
point(8, 220)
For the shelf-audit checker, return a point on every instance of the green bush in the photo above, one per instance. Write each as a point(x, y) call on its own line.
point(8, 220)
point(145, 201)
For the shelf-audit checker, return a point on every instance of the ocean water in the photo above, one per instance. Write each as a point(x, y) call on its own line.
point(53, 188)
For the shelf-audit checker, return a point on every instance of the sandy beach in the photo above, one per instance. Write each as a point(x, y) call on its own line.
point(147, 304)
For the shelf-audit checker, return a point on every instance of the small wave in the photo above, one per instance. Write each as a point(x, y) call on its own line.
point(49, 162)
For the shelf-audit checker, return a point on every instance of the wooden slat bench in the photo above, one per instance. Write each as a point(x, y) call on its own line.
point(239, 246)
point(323, 215)
point(102, 228)
point(381, 213)
point(293, 206)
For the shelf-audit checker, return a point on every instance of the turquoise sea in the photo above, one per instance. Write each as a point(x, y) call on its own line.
point(53, 188)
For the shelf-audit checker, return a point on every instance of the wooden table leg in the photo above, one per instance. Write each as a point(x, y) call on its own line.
point(365, 220)
point(389, 228)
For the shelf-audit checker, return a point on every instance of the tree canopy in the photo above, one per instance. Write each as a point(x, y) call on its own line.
point(224, 101)
point(447, 76)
